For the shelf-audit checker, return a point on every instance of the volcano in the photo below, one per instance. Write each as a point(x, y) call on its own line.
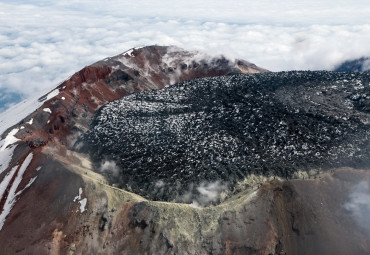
point(160, 150)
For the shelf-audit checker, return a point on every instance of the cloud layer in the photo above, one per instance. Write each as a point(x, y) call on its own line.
point(42, 43)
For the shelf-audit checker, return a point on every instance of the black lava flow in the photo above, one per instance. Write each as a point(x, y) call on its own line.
point(226, 128)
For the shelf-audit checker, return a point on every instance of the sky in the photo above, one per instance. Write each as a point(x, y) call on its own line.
point(43, 42)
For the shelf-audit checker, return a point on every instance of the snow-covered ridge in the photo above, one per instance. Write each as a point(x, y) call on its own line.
point(129, 52)
point(20, 111)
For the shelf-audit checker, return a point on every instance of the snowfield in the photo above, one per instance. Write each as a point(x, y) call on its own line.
point(20, 111)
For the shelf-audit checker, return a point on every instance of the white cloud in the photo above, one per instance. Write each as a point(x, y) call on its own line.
point(208, 192)
point(159, 184)
point(43, 42)
point(110, 167)
point(204, 194)
point(359, 204)
point(366, 65)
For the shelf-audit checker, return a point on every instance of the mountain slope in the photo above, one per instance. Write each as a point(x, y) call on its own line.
point(36, 165)
point(58, 199)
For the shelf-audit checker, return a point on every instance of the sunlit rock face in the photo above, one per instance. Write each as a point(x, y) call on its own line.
point(224, 129)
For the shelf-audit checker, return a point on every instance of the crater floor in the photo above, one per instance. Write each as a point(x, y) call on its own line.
point(170, 144)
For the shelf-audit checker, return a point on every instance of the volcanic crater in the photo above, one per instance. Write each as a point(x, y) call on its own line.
point(167, 143)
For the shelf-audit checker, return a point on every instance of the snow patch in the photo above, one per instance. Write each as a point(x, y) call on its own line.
point(38, 168)
point(28, 185)
point(10, 139)
point(129, 52)
point(63, 98)
point(11, 199)
point(52, 94)
point(6, 151)
point(5, 182)
point(5, 158)
point(82, 201)
point(47, 110)
point(30, 122)
point(83, 204)
point(79, 195)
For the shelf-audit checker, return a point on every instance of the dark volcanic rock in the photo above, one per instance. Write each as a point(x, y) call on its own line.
point(225, 128)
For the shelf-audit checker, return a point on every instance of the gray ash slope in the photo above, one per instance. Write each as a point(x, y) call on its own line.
point(226, 128)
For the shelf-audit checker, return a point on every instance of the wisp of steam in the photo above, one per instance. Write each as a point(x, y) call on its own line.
point(359, 204)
